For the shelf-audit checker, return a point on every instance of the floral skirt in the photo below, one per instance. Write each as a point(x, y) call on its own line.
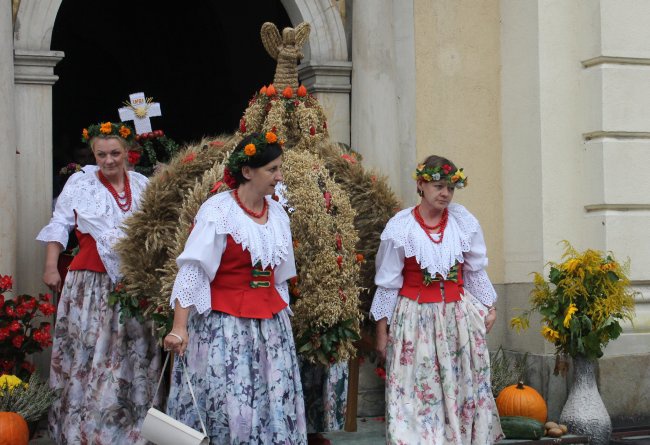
point(245, 376)
point(326, 395)
point(104, 371)
point(438, 375)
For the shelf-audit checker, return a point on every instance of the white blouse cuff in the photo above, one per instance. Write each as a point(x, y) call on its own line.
point(383, 304)
point(192, 288)
point(283, 290)
point(53, 233)
point(478, 284)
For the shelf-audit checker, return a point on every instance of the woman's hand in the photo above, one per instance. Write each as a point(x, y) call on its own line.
point(381, 339)
point(490, 319)
point(177, 341)
point(52, 279)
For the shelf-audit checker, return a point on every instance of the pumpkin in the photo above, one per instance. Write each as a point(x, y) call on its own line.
point(13, 429)
point(520, 400)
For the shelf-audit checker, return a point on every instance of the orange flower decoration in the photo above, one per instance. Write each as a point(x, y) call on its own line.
point(287, 93)
point(302, 91)
point(270, 91)
point(250, 150)
point(106, 128)
point(124, 132)
point(84, 133)
point(271, 138)
point(360, 258)
point(263, 90)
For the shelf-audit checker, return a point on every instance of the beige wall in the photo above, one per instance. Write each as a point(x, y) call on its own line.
point(457, 48)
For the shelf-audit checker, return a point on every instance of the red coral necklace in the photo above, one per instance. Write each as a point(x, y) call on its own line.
point(265, 205)
point(126, 205)
point(440, 227)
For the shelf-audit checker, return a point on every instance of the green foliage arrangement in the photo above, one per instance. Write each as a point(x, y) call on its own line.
point(582, 303)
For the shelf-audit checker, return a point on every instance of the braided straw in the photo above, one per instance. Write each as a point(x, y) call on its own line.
point(287, 50)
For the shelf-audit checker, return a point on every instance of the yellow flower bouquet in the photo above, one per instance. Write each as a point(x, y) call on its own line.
point(581, 304)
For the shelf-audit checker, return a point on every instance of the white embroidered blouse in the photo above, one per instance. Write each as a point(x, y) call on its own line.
point(404, 238)
point(97, 214)
point(218, 217)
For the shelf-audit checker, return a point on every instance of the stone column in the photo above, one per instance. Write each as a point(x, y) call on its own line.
point(7, 145)
point(375, 132)
point(34, 78)
point(330, 83)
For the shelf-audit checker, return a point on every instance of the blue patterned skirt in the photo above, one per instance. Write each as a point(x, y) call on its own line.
point(246, 379)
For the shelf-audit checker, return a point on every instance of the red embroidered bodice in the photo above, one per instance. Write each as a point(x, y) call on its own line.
point(415, 288)
point(242, 290)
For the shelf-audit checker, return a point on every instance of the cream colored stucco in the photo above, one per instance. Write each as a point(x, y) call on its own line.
point(457, 52)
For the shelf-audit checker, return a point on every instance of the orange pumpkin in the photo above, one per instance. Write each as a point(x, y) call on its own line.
point(520, 400)
point(13, 429)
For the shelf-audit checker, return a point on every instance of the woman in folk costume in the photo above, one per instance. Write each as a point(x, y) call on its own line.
point(434, 293)
point(104, 370)
point(231, 319)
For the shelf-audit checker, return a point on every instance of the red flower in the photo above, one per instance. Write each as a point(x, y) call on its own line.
point(312, 130)
point(4, 333)
point(14, 326)
point(351, 159)
point(27, 366)
point(6, 283)
point(18, 340)
point(381, 372)
point(47, 309)
point(10, 311)
point(46, 297)
point(134, 157)
point(216, 186)
point(242, 125)
point(189, 158)
point(2, 301)
point(446, 168)
point(21, 311)
point(229, 179)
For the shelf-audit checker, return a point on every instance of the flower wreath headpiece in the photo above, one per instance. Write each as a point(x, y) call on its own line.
point(254, 148)
point(108, 129)
point(457, 178)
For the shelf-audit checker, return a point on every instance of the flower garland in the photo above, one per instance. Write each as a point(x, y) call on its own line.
point(123, 130)
point(255, 148)
point(444, 173)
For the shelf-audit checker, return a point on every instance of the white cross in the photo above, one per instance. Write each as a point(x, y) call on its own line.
point(139, 110)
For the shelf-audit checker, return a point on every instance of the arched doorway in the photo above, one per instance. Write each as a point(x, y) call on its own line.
point(202, 62)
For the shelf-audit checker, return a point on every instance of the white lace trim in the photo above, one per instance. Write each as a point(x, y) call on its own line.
point(478, 284)
point(97, 214)
point(383, 304)
point(405, 232)
point(268, 243)
point(192, 287)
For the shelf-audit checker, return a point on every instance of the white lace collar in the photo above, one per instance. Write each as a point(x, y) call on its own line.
point(405, 232)
point(267, 243)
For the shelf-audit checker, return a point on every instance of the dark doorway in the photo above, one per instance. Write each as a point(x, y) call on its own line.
point(201, 60)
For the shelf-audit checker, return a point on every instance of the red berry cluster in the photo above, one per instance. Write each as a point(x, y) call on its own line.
point(151, 135)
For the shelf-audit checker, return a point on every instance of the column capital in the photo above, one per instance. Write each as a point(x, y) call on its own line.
point(36, 66)
point(326, 77)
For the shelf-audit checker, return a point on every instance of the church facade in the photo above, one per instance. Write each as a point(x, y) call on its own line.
point(544, 103)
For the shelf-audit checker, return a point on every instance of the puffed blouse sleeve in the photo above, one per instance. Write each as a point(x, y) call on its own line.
point(197, 266)
point(62, 221)
point(475, 278)
point(388, 278)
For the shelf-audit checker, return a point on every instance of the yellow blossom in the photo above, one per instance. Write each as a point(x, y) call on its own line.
point(10, 382)
point(549, 334)
point(572, 309)
point(571, 265)
point(426, 177)
point(106, 128)
point(459, 174)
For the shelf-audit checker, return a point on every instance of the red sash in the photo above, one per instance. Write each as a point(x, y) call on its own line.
point(415, 288)
point(88, 257)
point(242, 290)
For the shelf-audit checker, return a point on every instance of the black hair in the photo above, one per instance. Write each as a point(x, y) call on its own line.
point(270, 153)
